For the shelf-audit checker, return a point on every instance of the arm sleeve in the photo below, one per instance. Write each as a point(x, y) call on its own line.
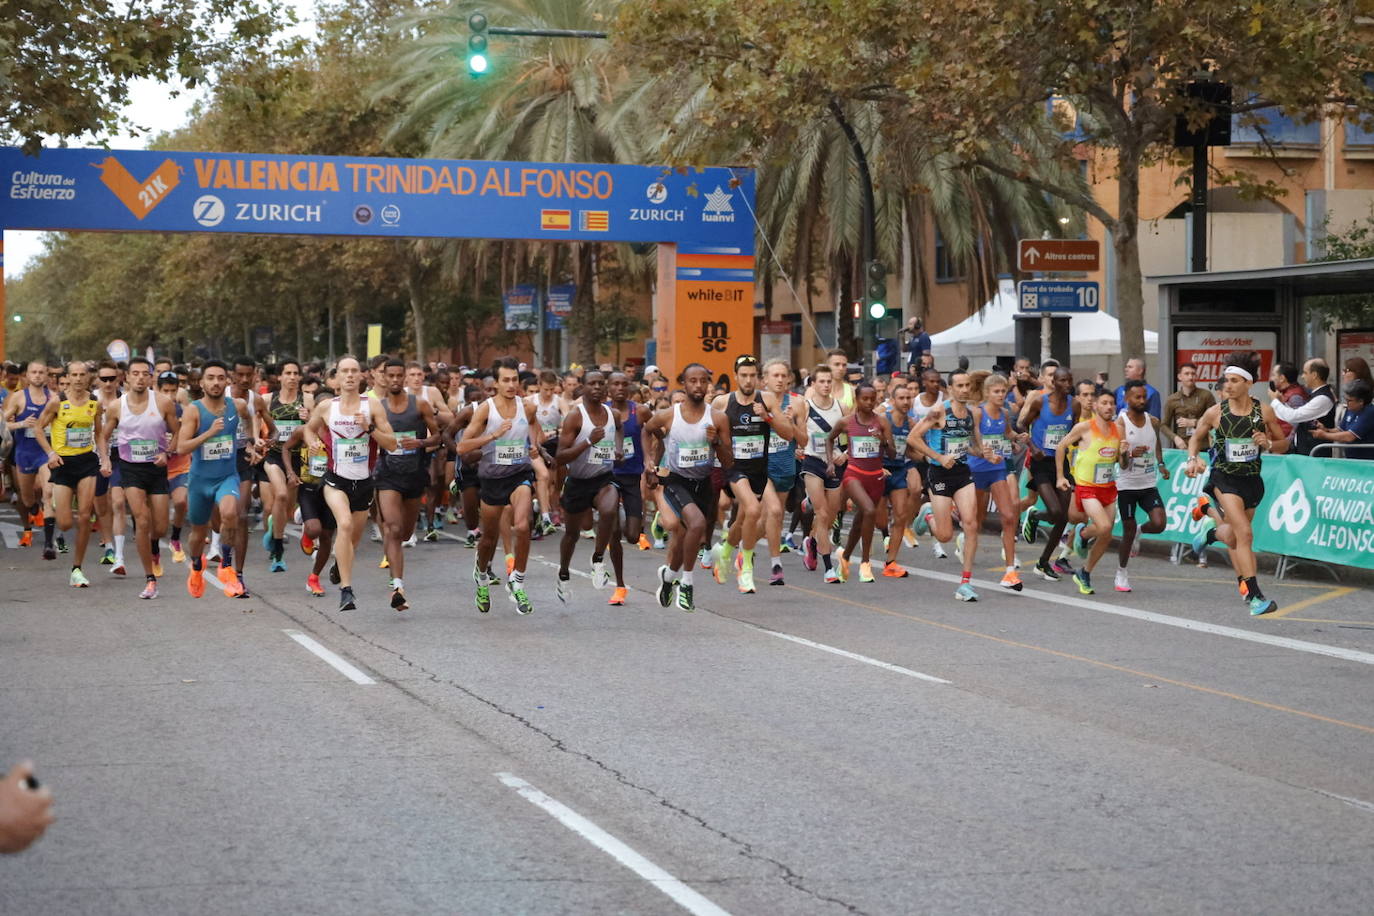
point(1317, 407)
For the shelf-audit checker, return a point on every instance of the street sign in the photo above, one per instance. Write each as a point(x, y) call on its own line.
point(1077, 255)
point(1058, 296)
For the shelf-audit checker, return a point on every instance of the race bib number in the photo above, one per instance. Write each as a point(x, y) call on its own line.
point(1144, 463)
point(285, 428)
point(1054, 435)
point(510, 451)
point(998, 444)
point(693, 454)
point(629, 447)
point(316, 464)
point(956, 447)
point(603, 452)
point(746, 447)
point(1239, 450)
point(778, 444)
point(899, 445)
point(1104, 474)
point(863, 447)
point(548, 429)
point(217, 448)
point(80, 437)
point(143, 449)
point(408, 434)
point(350, 451)
point(818, 442)
point(31, 432)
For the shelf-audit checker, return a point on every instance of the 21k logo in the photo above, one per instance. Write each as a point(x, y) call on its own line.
point(140, 196)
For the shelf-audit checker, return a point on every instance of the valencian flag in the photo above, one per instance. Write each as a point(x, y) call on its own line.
point(555, 219)
point(594, 220)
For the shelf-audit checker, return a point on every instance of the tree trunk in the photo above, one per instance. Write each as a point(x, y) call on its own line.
point(414, 286)
point(348, 334)
point(1130, 297)
point(332, 351)
point(585, 340)
point(300, 331)
point(844, 306)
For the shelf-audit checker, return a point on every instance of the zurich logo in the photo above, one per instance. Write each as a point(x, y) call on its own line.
point(657, 192)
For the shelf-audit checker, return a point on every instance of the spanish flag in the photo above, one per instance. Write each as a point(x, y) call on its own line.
point(594, 220)
point(555, 219)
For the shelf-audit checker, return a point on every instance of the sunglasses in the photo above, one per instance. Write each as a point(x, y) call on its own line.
point(108, 378)
point(656, 388)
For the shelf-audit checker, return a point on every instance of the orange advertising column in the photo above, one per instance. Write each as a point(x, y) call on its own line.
point(706, 309)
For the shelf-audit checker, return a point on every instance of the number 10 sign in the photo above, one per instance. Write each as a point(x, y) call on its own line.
point(1058, 296)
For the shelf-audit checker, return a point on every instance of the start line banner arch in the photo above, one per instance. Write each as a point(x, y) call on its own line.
point(701, 218)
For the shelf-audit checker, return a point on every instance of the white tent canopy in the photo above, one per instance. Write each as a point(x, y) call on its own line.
point(1094, 338)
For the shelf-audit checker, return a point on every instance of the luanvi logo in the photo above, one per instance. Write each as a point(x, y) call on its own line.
point(715, 336)
point(140, 196)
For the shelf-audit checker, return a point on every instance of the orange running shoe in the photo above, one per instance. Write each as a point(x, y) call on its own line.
point(307, 545)
point(895, 571)
point(313, 586)
point(1011, 580)
point(618, 596)
point(510, 564)
point(644, 542)
point(1200, 508)
point(195, 583)
point(232, 586)
point(26, 539)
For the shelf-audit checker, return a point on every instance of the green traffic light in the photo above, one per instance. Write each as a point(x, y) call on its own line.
point(477, 63)
point(877, 311)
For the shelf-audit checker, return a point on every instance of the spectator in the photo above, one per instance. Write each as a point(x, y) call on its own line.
point(927, 362)
point(915, 341)
point(1185, 407)
point(1283, 381)
point(1135, 370)
point(1357, 425)
point(25, 809)
point(1320, 406)
point(1355, 367)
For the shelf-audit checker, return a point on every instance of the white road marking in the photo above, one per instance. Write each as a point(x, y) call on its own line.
point(1197, 626)
point(334, 661)
point(680, 893)
point(887, 666)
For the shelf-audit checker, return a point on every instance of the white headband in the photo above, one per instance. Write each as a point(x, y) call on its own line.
point(1237, 370)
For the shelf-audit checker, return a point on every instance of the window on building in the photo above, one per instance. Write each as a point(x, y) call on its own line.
point(1357, 139)
point(1271, 125)
point(946, 270)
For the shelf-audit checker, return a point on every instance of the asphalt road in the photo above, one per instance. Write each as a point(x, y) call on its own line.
point(809, 749)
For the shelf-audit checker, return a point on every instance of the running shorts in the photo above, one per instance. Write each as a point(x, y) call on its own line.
point(359, 491)
point(310, 497)
point(76, 468)
point(496, 491)
point(816, 468)
point(144, 475)
point(631, 494)
point(682, 492)
point(1249, 488)
point(203, 495)
point(1129, 500)
point(579, 493)
point(1106, 495)
point(948, 481)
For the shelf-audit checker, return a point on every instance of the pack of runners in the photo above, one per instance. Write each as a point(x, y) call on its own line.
point(517, 455)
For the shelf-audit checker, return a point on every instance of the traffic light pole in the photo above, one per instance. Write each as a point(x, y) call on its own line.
point(868, 228)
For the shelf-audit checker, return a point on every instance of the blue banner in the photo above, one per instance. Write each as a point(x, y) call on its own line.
point(559, 306)
point(154, 191)
point(520, 303)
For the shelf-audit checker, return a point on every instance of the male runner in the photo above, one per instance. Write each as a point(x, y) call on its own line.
point(931, 393)
point(869, 439)
point(21, 412)
point(1238, 430)
point(142, 422)
point(1049, 415)
point(289, 409)
point(502, 429)
point(178, 465)
point(403, 473)
point(109, 494)
point(350, 428)
point(1136, 481)
point(1095, 465)
point(435, 489)
point(209, 427)
point(249, 452)
point(946, 436)
point(813, 418)
point(899, 479)
point(782, 468)
point(629, 469)
point(305, 470)
point(589, 442)
point(685, 436)
point(993, 474)
point(754, 417)
point(548, 478)
point(73, 424)
point(464, 484)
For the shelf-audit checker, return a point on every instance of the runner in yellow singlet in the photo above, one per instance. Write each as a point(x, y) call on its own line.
point(73, 424)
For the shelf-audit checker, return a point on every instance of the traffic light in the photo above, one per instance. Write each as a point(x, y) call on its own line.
point(876, 291)
point(477, 44)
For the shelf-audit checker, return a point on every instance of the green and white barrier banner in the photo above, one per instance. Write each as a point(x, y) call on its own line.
point(1315, 508)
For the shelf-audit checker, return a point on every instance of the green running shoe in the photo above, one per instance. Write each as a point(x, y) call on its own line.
point(1260, 606)
point(1029, 526)
point(522, 601)
point(1084, 581)
point(684, 597)
point(483, 598)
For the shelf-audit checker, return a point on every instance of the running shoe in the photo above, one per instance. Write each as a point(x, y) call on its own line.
point(411, 541)
point(836, 527)
point(471, 540)
point(1200, 539)
point(704, 558)
point(1049, 573)
point(376, 534)
point(307, 545)
point(1200, 507)
point(842, 564)
point(398, 600)
point(718, 564)
point(195, 583)
point(644, 543)
point(107, 558)
point(267, 535)
point(1261, 605)
point(78, 579)
point(588, 534)
point(939, 551)
point(313, 586)
point(832, 576)
point(660, 544)
point(62, 544)
point(334, 573)
point(600, 578)
point(965, 592)
point(909, 537)
point(1123, 584)
point(510, 564)
point(432, 535)
point(232, 586)
point(895, 570)
point(923, 522)
point(212, 553)
point(277, 565)
point(1085, 544)
point(157, 565)
point(684, 597)
point(656, 529)
point(1063, 567)
point(521, 601)
point(346, 602)
point(1030, 526)
point(789, 543)
point(665, 587)
point(437, 522)
point(118, 570)
point(564, 590)
point(866, 571)
point(149, 590)
point(383, 563)
point(775, 577)
point(483, 597)
point(26, 539)
point(809, 551)
point(1012, 580)
point(618, 596)
point(746, 581)
point(178, 555)
point(1084, 582)
point(49, 553)
point(959, 544)
point(453, 516)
